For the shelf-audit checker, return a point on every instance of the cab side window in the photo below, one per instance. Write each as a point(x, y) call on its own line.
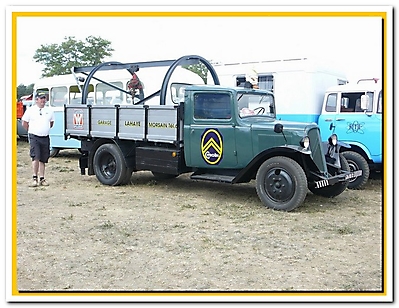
point(331, 104)
point(212, 106)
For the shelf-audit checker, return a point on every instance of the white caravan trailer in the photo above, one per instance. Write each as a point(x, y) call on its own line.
point(298, 85)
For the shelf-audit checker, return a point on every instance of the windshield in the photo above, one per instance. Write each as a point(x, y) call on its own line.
point(255, 104)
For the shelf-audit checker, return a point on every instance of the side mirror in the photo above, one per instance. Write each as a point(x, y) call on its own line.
point(278, 128)
point(364, 102)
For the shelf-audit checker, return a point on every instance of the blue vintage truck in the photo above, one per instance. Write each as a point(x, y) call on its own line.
point(354, 112)
point(215, 133)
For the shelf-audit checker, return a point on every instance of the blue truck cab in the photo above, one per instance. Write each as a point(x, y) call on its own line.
point(354, 113)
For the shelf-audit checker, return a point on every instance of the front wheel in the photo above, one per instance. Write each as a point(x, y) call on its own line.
point(357, 162)
point(281, 183)
point(109, 165)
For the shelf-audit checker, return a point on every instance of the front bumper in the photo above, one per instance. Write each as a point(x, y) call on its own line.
point(342, 177)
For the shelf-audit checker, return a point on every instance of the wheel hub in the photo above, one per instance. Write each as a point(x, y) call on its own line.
point(279, 185)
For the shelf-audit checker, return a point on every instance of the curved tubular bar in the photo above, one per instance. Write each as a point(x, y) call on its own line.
point(191, 59)
point(186, 60)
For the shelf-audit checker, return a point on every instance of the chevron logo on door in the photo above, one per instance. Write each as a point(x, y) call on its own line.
point(212, 146)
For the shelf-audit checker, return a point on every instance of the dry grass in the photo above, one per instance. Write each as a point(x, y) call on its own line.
point(178, 235)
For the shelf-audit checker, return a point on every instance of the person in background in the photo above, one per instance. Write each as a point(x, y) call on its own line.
point(251, 80)
point(38, 120)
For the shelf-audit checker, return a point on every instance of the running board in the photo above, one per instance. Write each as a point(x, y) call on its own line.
point(213, 177)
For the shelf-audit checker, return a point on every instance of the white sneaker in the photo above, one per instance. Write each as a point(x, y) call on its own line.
point(33, 183)
point(43, 183)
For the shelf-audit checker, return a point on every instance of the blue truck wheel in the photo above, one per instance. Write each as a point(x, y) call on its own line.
point(357, 162)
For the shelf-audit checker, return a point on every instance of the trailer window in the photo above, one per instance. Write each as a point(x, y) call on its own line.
point(265, 82)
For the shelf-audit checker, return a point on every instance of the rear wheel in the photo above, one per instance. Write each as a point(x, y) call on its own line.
point(336, 189)
point(281, 183)
point(357, 162)
point(109, 165)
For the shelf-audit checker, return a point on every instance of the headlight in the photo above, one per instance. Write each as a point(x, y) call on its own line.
point(305, 142)
point(333, 139)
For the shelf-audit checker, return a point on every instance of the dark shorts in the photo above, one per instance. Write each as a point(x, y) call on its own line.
point(39, 148)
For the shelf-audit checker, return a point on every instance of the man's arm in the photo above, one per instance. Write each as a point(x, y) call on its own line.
point(25, 124)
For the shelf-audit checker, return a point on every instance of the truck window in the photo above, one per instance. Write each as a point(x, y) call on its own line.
point(331, 104)
point(351, 101)
point(379, 106)
point(371, 100)
point(250, 104)
point(212, 106)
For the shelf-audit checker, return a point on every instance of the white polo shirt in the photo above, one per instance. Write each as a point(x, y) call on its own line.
point(38, 119)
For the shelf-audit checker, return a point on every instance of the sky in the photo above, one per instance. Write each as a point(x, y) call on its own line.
point(350, 44)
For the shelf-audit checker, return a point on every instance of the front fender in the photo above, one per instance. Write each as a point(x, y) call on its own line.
point(297, 149)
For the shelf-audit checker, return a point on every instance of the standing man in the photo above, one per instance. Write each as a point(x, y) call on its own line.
point(37, 120)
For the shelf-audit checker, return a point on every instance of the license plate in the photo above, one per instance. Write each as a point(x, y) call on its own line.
point(354, 174)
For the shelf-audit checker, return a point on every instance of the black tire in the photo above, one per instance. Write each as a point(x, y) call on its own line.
point(54, 152)
point(109, 165)
point(281, 183)
point(336, 189)
point(163, 176)
point(357, 162)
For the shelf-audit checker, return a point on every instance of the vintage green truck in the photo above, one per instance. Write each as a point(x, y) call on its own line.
point(216, 133)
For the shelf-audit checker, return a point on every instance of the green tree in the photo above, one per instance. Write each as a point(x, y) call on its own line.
point(58, 59)
point(200, 69)
point(23, 90)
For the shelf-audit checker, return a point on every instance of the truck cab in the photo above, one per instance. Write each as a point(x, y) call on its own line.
point(354, 112)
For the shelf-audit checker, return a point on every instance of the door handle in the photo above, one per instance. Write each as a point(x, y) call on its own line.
point(328, 120)
point(340, 119)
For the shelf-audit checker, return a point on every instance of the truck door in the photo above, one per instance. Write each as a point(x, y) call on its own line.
point(211, 134)
point(344, 116)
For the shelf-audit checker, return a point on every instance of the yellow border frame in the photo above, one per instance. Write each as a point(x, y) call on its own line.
point(16, 15)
